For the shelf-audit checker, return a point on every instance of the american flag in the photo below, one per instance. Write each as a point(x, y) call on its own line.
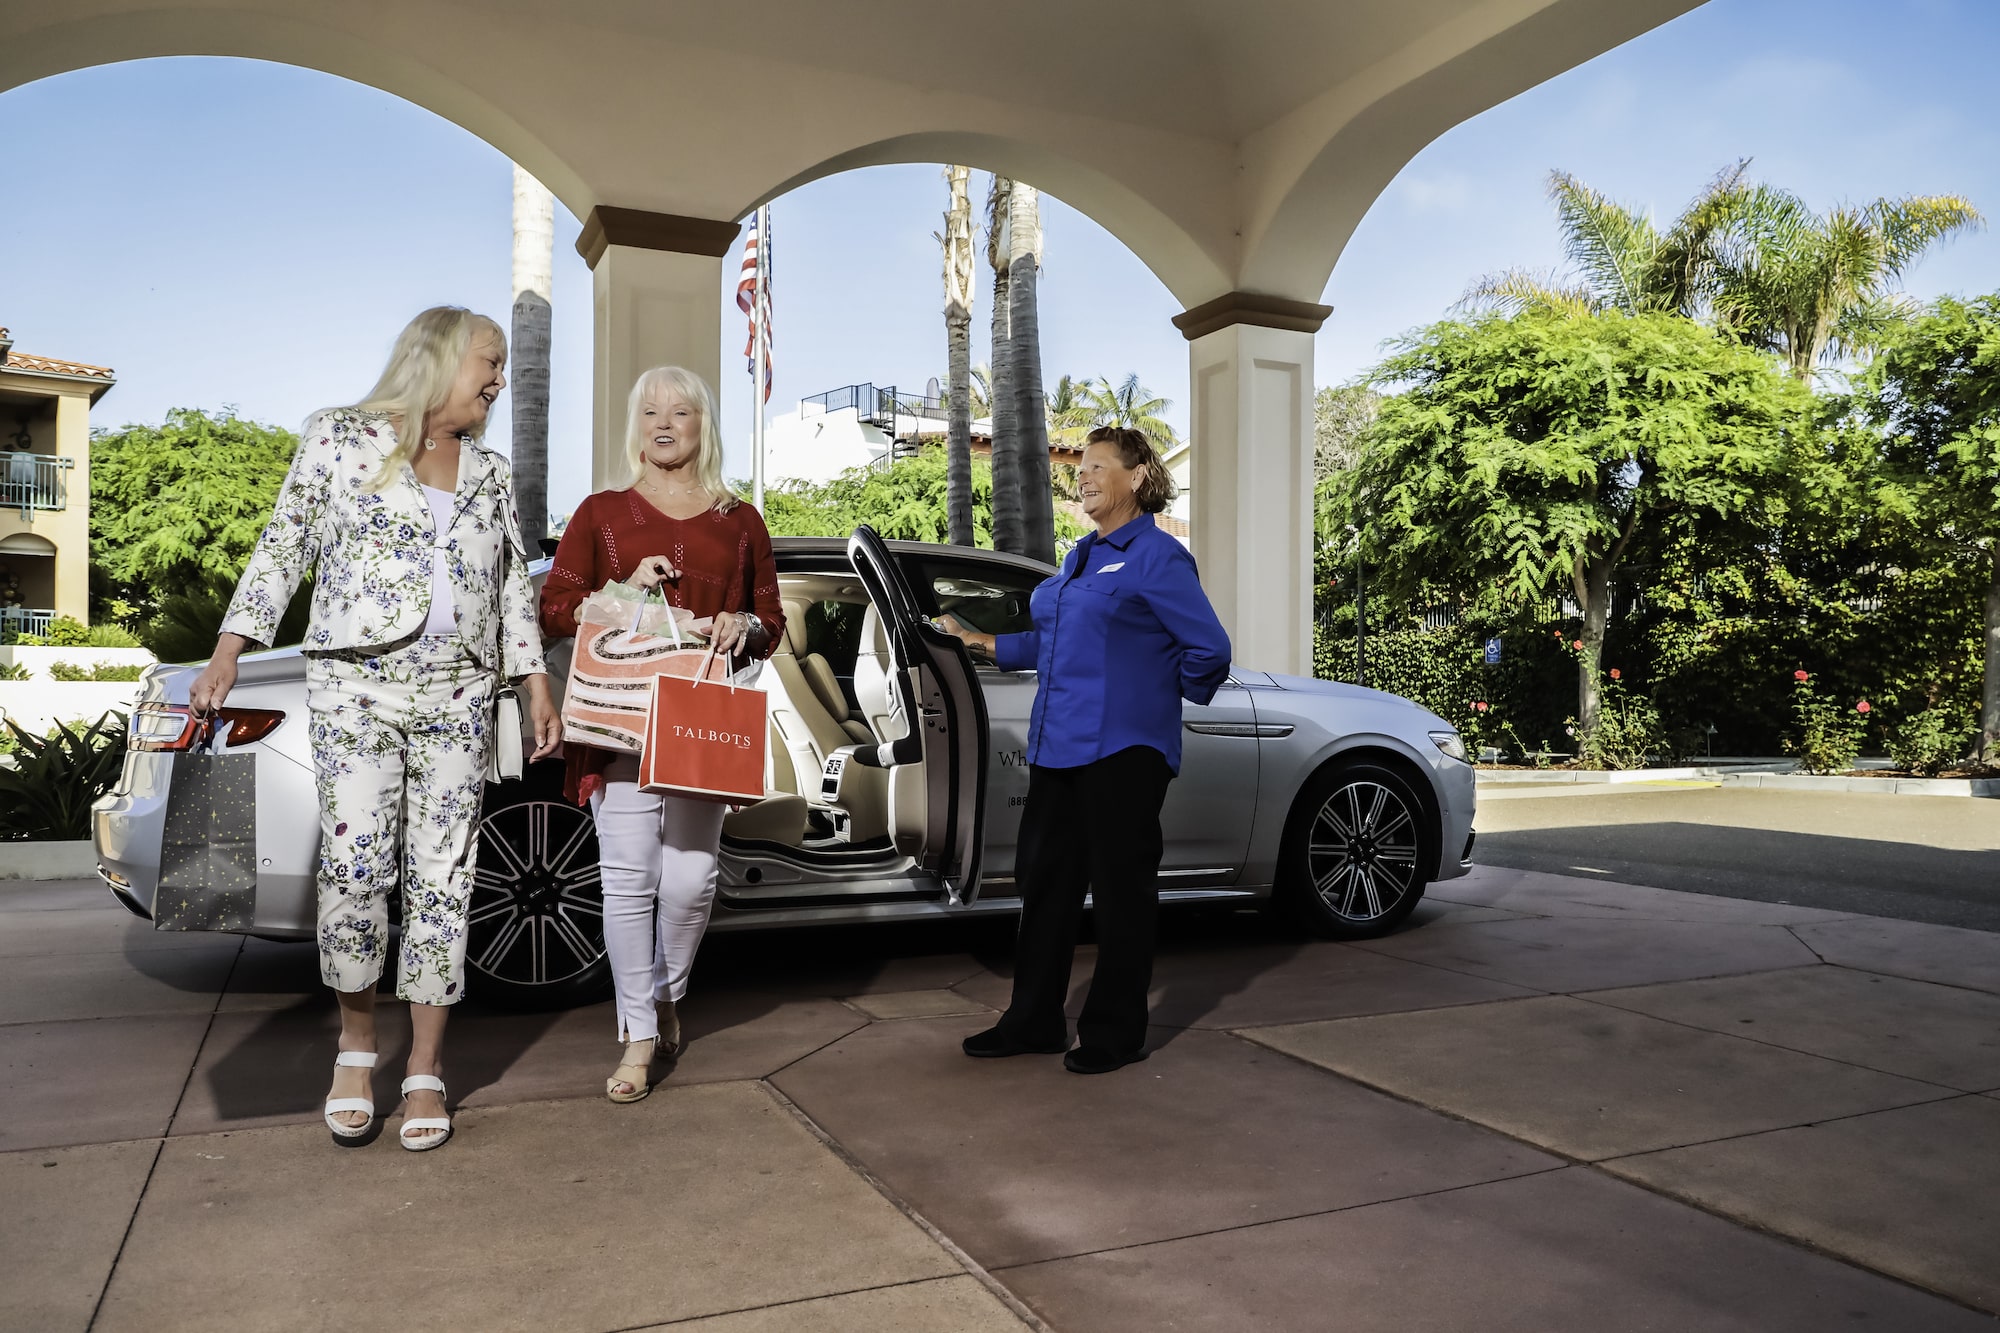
point(753, 289)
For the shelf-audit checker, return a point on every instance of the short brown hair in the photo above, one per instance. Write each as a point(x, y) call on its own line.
point(1135, 450)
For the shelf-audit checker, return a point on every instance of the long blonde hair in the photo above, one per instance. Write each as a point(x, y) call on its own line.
point(693, 390)
point(418, 379)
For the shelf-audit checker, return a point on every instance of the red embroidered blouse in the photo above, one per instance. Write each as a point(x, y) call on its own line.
point(725, 563)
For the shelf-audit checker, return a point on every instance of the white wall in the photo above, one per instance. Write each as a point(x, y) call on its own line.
point(818, 446)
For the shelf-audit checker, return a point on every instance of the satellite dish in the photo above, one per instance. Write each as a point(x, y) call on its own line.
point(932, 390)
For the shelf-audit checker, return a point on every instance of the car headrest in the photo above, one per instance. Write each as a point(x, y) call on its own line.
point(874, 638)
point(795, 627)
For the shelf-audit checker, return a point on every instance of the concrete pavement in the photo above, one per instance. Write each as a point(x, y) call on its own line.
point(1552, 1103)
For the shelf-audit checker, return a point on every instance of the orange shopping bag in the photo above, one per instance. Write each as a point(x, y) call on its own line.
point(705, 738)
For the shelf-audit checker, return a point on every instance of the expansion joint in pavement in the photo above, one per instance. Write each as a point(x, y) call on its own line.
point(166, 1132)
point(972, 1267)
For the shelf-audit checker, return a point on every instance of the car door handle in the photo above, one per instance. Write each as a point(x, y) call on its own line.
point(1244, 730)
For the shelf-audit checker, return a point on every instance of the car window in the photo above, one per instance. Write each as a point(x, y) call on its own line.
point(990, 597)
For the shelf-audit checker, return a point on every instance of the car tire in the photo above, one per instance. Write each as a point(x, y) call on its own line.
point(1356, 846)
point(535, 929)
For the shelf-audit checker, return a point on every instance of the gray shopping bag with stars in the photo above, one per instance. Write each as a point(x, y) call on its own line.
point(208, 857)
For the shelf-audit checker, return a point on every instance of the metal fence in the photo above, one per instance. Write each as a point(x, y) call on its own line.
point(24, 620)
point(33, 481)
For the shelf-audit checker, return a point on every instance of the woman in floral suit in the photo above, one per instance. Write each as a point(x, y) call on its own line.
point(421, 602)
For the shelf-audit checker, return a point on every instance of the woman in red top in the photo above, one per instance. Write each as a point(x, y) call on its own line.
point(674, 525)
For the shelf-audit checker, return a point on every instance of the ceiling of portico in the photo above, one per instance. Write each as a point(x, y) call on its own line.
point(1231, 145)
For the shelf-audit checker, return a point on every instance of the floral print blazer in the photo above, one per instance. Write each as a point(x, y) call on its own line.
point(370, 551)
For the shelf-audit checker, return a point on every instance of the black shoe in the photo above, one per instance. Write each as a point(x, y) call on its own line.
point(1097, 1060)
point(993, 1043)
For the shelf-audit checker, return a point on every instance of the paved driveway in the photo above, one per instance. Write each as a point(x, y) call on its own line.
point(1553, 1103)
point(1919, 858)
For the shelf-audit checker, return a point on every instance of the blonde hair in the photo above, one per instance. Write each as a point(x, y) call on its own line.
point(1136, 450)
point(693, 390)
point(422, 367)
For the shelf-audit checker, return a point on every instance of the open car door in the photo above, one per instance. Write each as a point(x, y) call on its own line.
point(937, 767)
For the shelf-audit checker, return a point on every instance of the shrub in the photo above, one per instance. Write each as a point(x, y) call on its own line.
point(67, 671)
point(1929, 742)
point(112, 636)
point(13, 671)
point(48, 791)
point(1827, 735)
point(67, 632)
point(120, 671)
point(1627, 733)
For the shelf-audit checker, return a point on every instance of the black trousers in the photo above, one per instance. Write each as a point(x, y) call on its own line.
point(1096, 829)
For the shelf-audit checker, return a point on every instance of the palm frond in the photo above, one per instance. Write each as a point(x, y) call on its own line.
point(1610, 245)
point(1911, 225)
point(1517, 291)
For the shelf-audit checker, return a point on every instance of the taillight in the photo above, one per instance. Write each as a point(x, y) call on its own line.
point(174, 727)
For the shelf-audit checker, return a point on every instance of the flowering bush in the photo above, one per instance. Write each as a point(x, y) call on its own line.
point(1827, 736)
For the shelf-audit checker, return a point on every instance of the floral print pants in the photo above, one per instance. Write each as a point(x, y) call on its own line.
point(399, 742)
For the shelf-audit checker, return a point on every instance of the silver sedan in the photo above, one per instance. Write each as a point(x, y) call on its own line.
point(897, 774)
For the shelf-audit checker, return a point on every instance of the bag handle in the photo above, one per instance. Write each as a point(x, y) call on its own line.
point(639, 613)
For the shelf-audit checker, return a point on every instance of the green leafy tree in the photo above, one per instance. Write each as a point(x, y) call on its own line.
point(903, 501)
point(1935, 393)
point(176, 509)
point(1341, 416)
point(1530, 456)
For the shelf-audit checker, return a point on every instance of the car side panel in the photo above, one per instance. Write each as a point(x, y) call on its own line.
point(1324, 727)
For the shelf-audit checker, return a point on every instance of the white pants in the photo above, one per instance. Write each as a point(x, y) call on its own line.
point(657, 859)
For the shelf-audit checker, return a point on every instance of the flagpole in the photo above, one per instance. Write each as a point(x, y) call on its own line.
point(758, 312)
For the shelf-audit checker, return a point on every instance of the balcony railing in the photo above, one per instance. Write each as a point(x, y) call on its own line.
point(24, 620)
point(33, 481)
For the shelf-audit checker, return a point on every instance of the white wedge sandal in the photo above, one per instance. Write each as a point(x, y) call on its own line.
point(352, 1136)
point(422, 1124)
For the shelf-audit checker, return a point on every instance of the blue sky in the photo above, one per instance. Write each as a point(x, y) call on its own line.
point(231, 232)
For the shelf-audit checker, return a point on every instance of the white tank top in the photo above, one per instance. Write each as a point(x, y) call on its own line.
point(444, 617)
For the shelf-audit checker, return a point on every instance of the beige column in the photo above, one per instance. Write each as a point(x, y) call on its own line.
point(69, 528)
point(1250, 374)
point(657, 291)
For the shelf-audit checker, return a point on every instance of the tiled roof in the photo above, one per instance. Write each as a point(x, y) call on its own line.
point(48, 365)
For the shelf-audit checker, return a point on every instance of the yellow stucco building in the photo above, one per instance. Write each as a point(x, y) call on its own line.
point(45, 487)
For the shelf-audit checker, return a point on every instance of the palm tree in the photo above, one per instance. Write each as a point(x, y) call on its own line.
point(1024, 344)
point(1132, 406)
point(1009, 514)
point(1752, 259)
point(957, 242)
point(1621, 261)
point(1816, 287)
point(534, 264)
point(1069, 413)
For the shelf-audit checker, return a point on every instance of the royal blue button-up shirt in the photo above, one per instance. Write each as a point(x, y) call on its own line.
point(1121, 636)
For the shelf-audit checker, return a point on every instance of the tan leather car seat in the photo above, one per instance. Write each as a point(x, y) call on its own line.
point(907, 796)
point(810, 727)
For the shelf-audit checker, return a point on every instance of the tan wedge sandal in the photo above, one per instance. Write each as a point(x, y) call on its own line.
point(634, 1076)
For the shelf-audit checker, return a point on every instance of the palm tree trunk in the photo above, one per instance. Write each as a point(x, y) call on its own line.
point(1009, 516)
point(1031, 424)
point(1989, 710)
point(534, 263)
point(958, 343)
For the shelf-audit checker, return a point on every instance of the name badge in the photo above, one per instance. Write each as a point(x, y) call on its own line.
point(1112, 569)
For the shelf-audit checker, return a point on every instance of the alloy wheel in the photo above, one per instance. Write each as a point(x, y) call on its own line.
point(1361, 850)
point(537, 914)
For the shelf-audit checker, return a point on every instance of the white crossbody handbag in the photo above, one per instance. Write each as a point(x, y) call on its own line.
point(504, 758)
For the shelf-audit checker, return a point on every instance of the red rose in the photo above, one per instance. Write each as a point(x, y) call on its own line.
point(1801, 675)
point(1614, 673)
point(1861, 707)
point(1479, 708)
point(1578, 645)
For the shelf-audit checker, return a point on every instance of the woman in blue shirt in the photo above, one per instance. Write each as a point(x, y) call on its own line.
point(1122, 634)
